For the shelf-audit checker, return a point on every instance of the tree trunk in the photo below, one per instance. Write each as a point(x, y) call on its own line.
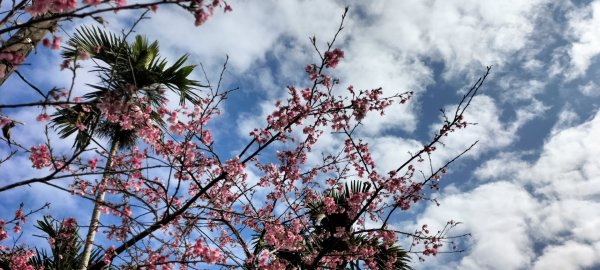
point(24, 41)
point(89, 241)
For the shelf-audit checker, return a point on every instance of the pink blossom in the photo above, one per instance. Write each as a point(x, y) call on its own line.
point(43, 117)
point(312, 72)
point(46, 42)
point(127, 211)
point(64, 64)
point(207, 254)
point(108, 255)
point(206, 137)
point(40, 157)
point(330, 206)
point(263, 259)
point(17, 228)
point(92, 2)
point(12, 57)
point(56, 43)
point(92, 163)
point(201, 17)
point(3, 233)
point(39, 7)
point(21, 261)
point(4, 121)
point(332, 58)
point(70, 223)
point(19, 215)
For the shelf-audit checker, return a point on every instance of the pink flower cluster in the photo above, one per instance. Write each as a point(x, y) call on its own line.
point(283, 238)
point(41, 7)
point(92, 2)
point(431, 242)
point(108, 255)
point(43, 117)
point(12, 58)
point(312, 72)
point(205, 12)
point(21, 261)
point(206, 137)
point(261, 135)
point(359, 156)
point(332, 58)
point(55, 44)
point(40, 157)
point(3, 233)
point(157, 261)
point(207, 254)
point(70, 224)
point(129, 116)
point(233, 168)
point(19, 215)
point(330, 206)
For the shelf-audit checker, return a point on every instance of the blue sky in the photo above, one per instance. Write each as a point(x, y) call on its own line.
point(529, 192)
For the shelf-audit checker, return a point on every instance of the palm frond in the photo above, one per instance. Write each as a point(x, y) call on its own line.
point(67, 121)
point(97, 43)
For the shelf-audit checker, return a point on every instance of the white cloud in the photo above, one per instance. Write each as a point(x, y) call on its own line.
point(496, 216)
point(501, 167)
point(551, 203)
point(390, 160)
point(584, 24)
point(246, 35)
point(461, 33)
point(571, 255)
point(385, 43)
point(489, 130)
point(566, 118)
point(590, 89)
point(568, 167)
point(517, 89)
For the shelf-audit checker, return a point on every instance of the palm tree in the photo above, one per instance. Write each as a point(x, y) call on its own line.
point(130, 73)
point(319, 237)
point(65, 248)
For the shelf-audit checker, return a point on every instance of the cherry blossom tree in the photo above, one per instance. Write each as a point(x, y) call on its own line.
point(173, 199)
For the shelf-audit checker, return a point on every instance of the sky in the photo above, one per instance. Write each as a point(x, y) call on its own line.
point(528, 193)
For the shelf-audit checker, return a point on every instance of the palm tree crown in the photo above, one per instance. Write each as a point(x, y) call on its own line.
point(129, 73)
